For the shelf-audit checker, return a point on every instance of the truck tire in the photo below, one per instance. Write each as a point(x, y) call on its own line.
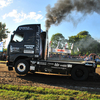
point(79, 73)
point(21, 67)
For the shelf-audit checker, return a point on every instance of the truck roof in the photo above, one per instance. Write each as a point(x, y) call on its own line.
point(28, 27)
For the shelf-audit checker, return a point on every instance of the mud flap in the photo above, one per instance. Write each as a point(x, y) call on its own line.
point(10, 68)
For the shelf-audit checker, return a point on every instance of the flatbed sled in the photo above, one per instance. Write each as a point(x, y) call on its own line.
point(28, 49)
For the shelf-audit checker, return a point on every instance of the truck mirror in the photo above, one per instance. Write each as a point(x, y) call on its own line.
point(13, 31)
point(11, 38)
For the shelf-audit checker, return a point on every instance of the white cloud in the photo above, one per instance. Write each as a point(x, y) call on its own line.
point(19, 17)
point(4, 3)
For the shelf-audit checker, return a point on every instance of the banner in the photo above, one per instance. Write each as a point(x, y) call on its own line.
point(1, 46)
point(57, 45)
point(72, 46)
point(78, 49)
point(62, 51)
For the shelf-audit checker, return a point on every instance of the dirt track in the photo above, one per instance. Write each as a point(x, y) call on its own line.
point(49, 80)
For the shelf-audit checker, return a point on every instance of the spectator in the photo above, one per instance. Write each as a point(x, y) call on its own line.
point(88, 58)
point(4, 56)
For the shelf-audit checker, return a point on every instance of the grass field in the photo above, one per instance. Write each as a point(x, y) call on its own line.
point(13, 92)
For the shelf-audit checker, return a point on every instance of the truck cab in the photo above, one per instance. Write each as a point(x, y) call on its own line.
point(27, 42)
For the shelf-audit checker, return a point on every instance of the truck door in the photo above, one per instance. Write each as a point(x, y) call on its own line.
point(29, 42)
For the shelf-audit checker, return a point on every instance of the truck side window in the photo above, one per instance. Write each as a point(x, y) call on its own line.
point(18, 38)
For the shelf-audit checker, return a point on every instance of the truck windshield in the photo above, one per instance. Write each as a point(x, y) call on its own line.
point(18, 38)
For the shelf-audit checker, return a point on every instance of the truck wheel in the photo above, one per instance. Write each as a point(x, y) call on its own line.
point(79, 73)
point(21, 67)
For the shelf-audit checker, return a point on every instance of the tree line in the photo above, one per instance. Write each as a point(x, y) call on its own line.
point(3, 31)
point(3, 34)
point(82, 43)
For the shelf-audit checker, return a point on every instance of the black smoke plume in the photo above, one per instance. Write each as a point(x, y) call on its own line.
point(63, 9)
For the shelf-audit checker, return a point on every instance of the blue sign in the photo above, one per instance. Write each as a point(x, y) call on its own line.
point(1, 46)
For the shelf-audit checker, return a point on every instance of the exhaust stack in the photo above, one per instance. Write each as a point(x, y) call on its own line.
point(46, 46)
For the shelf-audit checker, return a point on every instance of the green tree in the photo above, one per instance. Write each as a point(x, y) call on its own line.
point(84, 42)
point(79, 36)
point(3, 31)
point(56, 39)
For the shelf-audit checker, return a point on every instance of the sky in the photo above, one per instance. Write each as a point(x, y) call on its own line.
point(19, 12)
